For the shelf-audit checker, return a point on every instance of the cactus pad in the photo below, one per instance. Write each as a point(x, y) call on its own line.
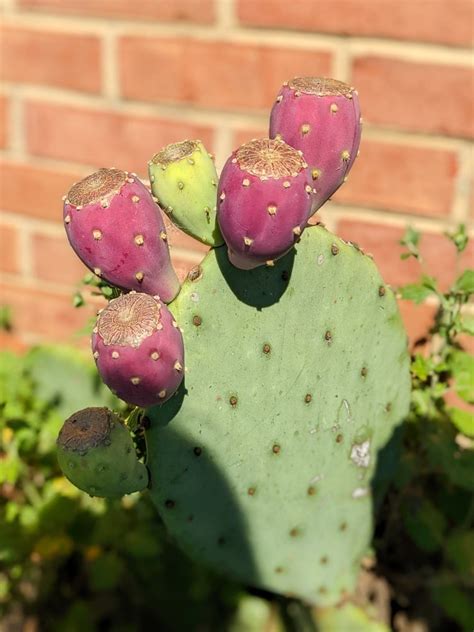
point(261, 464)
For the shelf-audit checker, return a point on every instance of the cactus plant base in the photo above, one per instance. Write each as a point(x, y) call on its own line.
point(297, 374)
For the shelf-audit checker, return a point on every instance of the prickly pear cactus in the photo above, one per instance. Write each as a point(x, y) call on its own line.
point(261, 464)
point(296, 367)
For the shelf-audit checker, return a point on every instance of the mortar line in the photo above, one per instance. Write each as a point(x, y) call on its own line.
point(109, 67)
point(226, 18)
point(463, 183)
point(16, 130)
point(223, 145)
point(341, 64)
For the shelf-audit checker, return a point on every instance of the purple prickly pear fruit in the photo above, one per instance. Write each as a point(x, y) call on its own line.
point(116, 229)
point(321, 117)
point(264, 201)
point(138, 348)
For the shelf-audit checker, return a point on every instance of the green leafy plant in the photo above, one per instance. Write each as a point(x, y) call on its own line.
point(70, 562)
point(425, 537)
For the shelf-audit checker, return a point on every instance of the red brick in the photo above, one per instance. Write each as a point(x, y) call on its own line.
point(241, 136)
point(417, 318)
point(3, 121)
point(182, 267)
point(34, 191)
point(103, 138)
point(53, 58)
point(215, 74)
point(200, 11)
point(415, 96)
point(418, 20)
point(402, 178)
point(54, 260)
point(178, 239)
point(9, 248)
point(12, 342)
point(42, 313)
point(382, 241)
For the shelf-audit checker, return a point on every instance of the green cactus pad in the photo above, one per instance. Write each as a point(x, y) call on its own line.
point(297, 374)
point(184, 179)
point(96, 453)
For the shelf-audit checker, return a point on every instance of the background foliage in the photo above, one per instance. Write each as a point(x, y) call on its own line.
point(69, 562)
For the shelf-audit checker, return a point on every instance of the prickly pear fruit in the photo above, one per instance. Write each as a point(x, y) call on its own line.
point(264, 200)
point(116, 229)
point(138, 349)
point(184, 179)
point(321, 117)
point(96, 453)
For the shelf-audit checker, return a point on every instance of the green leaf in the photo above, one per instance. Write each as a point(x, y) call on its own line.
point(106, 572)
point(89, 279)
point(5, 318)
point(415, 292)
point(467, 324)
point(459, 238)
point(424, 523)
point(463, 420)
point(107, 291)
point(465, 282)
point(456, 603)
point(421, 367)
point(78, 300)
point(462, 368)
point(459, 551)
point(410, 238)
point(444, 456)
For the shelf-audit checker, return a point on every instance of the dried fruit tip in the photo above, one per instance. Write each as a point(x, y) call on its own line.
point(96, 453)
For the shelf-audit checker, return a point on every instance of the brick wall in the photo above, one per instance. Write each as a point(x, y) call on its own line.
point(89, 83)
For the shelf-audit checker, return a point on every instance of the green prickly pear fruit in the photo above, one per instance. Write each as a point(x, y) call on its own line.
point(96, 453)
point(184, 179)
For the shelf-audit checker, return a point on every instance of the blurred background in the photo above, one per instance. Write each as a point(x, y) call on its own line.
point(92, 83)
